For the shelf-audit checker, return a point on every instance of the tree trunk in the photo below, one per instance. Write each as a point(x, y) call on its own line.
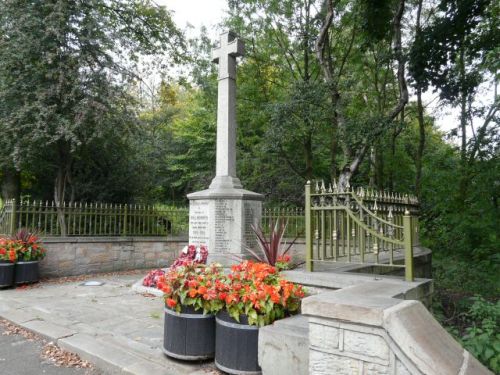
point(421, 144)
point(420, 118)
point(308, 158)
point(464, 175)
point(334, 143)
point(11, 184)
point(372, 181)
point(63, 177)
point(59, 192)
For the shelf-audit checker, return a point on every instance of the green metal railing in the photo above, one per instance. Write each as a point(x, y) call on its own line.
point(360, 226)
point(93, 219)
point(103, 219)
point(293, 216)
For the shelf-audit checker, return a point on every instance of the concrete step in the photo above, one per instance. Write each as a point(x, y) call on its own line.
point(284, 347)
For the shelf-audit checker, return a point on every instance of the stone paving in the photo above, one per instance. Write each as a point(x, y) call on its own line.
point(112, 326)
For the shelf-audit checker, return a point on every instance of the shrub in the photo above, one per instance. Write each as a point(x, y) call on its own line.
point(482, 338)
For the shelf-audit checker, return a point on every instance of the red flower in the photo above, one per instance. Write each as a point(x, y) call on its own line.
point(222, 296)
point(171, 303)
point(284, 259)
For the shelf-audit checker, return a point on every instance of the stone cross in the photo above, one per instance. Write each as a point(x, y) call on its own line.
point(230, 48)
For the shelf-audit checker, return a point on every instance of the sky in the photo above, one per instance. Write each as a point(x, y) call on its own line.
point(198, 13)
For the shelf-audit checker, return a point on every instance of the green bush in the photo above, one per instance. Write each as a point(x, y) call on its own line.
point(482, 338)
point(466, 304)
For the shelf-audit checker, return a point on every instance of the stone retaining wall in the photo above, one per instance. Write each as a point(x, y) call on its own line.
point(364, 330)
point(72, 256)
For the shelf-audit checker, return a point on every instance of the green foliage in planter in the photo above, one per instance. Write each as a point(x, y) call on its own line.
point(28, 247)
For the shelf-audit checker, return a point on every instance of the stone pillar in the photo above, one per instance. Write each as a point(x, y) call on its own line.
point(221, 216)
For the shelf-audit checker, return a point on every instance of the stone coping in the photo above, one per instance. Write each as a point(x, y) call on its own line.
point(339, 279)
point(95, 239)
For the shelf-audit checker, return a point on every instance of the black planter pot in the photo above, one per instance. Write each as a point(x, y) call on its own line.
point(236, 345)
point(27, 272)
point(189, 335)
point(6, 274)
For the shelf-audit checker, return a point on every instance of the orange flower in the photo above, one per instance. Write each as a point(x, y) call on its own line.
point(202, 289)
point(230, 298)
point(171, 303)
point(193, 283)
point(192, 293)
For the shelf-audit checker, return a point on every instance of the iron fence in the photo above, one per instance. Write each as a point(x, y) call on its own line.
point(359, 226)
point(292, 216)
point(92, 219)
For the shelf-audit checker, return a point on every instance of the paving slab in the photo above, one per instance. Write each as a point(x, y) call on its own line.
point(48, 330)
point(112, 326)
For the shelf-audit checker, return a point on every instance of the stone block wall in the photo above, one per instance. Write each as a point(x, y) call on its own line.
point(72, 256)
point(340, 348)
point(363, 330)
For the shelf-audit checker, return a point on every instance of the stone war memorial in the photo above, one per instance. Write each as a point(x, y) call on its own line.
point(112, 261)
point(222, 216)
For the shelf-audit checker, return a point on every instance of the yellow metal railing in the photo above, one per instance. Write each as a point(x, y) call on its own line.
point(359, 226)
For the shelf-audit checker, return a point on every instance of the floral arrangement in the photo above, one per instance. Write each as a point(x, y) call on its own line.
point(189, 254)
point(151, 279)
point(258, 291)
point(28, 246)
point(194, 285)
point(8, 250)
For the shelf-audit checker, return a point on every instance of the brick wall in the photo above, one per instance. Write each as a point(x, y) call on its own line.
point(81, 255)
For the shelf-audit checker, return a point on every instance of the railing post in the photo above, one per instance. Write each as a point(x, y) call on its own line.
point(408, 240)
point(13, 217)
point(309, 247)
point(125, 214)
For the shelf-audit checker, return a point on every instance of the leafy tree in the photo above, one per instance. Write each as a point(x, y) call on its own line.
point(64, 69)
point(455, 53)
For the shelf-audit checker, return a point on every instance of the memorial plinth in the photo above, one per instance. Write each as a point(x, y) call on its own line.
point(222, 216)
point(222, 219)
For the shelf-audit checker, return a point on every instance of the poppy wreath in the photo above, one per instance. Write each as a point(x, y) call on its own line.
point(191, 254)
point(192, 284)
point(28, 246)
point(258, 291)
point(8, 250)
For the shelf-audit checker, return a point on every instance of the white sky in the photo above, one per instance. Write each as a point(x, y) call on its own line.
point(198, 13)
